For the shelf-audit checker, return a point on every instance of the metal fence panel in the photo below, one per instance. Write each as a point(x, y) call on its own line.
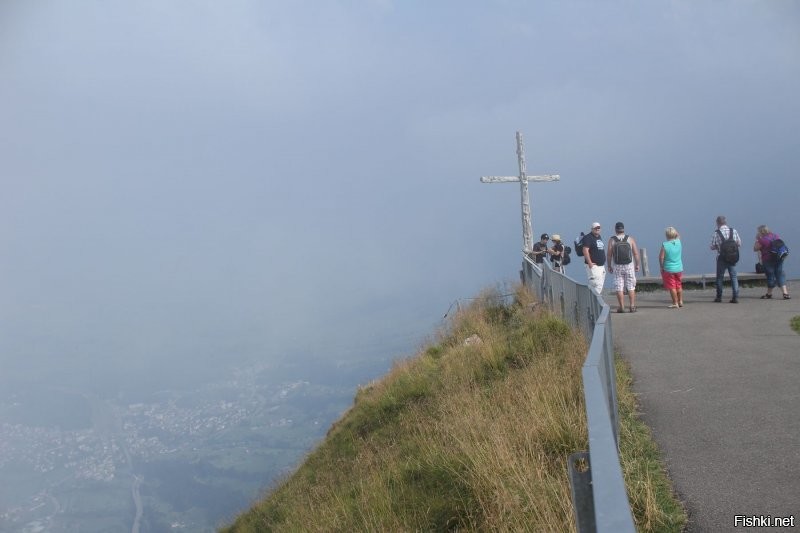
point(586, 311)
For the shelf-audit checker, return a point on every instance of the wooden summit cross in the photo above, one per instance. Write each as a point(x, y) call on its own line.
point(523, 179)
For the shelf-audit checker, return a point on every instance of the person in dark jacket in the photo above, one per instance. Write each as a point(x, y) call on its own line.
point(540, 249)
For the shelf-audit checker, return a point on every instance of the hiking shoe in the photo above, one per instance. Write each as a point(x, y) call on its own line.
point(734, 300)
point(718, 299)
point(633, 309)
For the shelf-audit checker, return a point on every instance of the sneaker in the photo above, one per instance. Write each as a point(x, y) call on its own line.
point(718, 299)
point(787, 297)
point(734, 300)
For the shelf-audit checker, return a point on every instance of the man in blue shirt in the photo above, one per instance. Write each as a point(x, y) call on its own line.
point(594, 255)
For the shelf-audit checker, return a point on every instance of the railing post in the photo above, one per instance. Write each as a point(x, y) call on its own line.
point(645, 262)
point(580, 478)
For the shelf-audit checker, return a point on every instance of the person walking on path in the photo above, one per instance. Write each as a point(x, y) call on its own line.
point(773, 265)
point(671, 262)
point(623, 261)
point(557, 254)
point(594, 257)
point(540, 249)
point(726, 242)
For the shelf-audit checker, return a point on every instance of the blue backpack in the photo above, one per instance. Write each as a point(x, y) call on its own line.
point(778, 249)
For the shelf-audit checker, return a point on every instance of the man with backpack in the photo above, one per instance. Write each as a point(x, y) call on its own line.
point(726, 242)
point(623, 262)
point(559, 254)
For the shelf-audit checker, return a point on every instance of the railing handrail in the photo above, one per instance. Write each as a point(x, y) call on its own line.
point(608, 509)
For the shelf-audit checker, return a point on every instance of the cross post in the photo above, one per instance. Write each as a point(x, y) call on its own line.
point(523, 179)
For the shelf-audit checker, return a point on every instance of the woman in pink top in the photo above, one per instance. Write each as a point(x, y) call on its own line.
point(773, 267)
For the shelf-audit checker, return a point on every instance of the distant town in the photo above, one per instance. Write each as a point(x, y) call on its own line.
point(239, 432)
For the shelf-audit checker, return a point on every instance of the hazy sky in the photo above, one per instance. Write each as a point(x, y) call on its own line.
point(212, 180)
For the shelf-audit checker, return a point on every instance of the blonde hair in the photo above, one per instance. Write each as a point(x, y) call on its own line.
point(763, 230)
point(671, 233)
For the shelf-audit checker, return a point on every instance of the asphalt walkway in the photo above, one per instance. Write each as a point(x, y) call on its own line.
point(719, 385)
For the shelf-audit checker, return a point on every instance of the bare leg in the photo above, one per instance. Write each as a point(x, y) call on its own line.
point(632, 298)
point(620, 300)
point(674, 295)
point(680, 296)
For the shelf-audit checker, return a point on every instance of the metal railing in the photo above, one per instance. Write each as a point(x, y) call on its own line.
point(598, 489)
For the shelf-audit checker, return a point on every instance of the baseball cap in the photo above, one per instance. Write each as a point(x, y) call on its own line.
point(595, 225)
point(544, 236)
point(619, 226)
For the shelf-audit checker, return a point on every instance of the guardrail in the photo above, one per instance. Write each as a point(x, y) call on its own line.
point(598, 488)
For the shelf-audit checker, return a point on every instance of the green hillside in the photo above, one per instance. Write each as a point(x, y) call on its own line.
point(471, 434)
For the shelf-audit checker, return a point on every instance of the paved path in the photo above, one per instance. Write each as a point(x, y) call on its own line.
point(719, 385)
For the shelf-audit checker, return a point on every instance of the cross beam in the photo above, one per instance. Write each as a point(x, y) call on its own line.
point(523, 179)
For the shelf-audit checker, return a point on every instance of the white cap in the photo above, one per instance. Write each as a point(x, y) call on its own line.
point(595, 225)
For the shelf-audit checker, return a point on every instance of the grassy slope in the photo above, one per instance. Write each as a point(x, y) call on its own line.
point(466, 437)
